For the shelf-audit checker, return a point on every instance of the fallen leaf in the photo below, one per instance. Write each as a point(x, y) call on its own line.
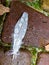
point(3, 9)
point(47, 47)
point(45, 4)
point(43, 42)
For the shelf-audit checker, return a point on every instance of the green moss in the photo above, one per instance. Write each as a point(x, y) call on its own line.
point(34, 53)
point(36, 4)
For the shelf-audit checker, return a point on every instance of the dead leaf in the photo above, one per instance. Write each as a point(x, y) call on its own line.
point(3, 9)
point(45, 5)
point(47, 47)
point(43, 42)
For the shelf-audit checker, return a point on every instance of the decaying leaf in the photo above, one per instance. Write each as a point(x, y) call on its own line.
point(47, 47)
point(3, 9)
point(45, 4)
point(44, 43)
point(45, 7)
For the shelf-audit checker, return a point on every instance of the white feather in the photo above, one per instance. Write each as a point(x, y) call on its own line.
point(19, 33)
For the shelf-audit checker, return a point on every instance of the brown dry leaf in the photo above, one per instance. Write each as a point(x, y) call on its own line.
point(44, 43)
point(3, 9)
point(47, 47)
point(46, 7)
point(45, 4)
